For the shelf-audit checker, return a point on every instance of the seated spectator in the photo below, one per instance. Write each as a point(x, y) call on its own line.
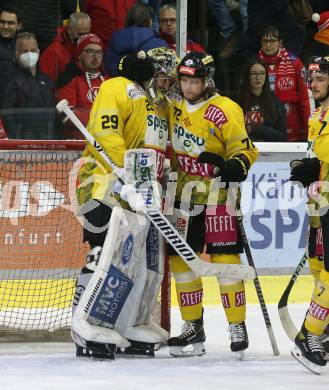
point(265, 116)
point(82, 90)
point(61, 51)
point(28, 104)
point(10, 24)
point(137, 35)
point(286, 73)
point(167, 18)
point(107, 16)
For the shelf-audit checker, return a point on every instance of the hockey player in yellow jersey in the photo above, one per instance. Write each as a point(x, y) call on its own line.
point(209, 140)
point(129, 112)
point(311, 342)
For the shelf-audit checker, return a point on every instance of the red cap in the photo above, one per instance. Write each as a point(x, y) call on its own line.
point(85, 40)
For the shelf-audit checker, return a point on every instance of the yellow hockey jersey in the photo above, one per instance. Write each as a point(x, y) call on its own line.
point(318, 138)
point(121, 118)
point(217, 126)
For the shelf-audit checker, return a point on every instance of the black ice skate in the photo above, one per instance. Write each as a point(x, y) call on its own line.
point(190, 342)
point(239, 338)
point(309, 351)
point(97, 351)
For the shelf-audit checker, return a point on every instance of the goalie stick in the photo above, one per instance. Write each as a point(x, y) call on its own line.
point(257, 285)
point(285, 318)
point(197, 265)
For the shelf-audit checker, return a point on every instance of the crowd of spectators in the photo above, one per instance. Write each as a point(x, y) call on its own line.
point(260, 49)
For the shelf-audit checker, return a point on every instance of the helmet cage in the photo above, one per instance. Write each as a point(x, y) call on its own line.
point(165, 64)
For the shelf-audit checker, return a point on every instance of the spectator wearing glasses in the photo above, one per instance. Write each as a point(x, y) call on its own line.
point(61, 51)
point(82, 90)
point(286, 76)
point(10, 24)
point(264, 114)
point(262, 13)
point(167, 18)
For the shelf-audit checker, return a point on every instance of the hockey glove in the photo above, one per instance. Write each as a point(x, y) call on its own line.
point(234, 169)
point(305, 171)
point(137, 67)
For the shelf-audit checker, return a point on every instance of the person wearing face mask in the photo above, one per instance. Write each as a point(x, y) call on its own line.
point(62, 50)
point(82, 90)
point(28, 108)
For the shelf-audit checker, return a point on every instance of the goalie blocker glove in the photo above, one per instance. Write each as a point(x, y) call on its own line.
point(234, 169)
point(305, 171)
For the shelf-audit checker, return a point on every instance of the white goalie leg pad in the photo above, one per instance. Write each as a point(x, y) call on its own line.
point(82, 331)
point(155, 258)
point(109, 303)
point(80, 287)
point(144, 329)
point(148, 333)
point(141, 172)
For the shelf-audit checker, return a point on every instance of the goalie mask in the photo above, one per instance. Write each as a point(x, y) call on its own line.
point(163, 83)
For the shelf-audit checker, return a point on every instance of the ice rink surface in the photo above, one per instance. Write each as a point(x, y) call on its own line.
point(48, 366)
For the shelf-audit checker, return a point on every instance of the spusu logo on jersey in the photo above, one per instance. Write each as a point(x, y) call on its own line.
point(157, 131)
point(185, 141)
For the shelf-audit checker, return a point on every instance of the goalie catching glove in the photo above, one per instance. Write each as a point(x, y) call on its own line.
point(305, 171)
point(234, 169)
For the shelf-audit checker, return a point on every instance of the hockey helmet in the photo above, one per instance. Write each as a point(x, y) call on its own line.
point(196, 64)
point(319, 64)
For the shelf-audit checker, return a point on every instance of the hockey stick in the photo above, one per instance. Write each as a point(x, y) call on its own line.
point(285, 318)
point(257, 285)
point(197, 265)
